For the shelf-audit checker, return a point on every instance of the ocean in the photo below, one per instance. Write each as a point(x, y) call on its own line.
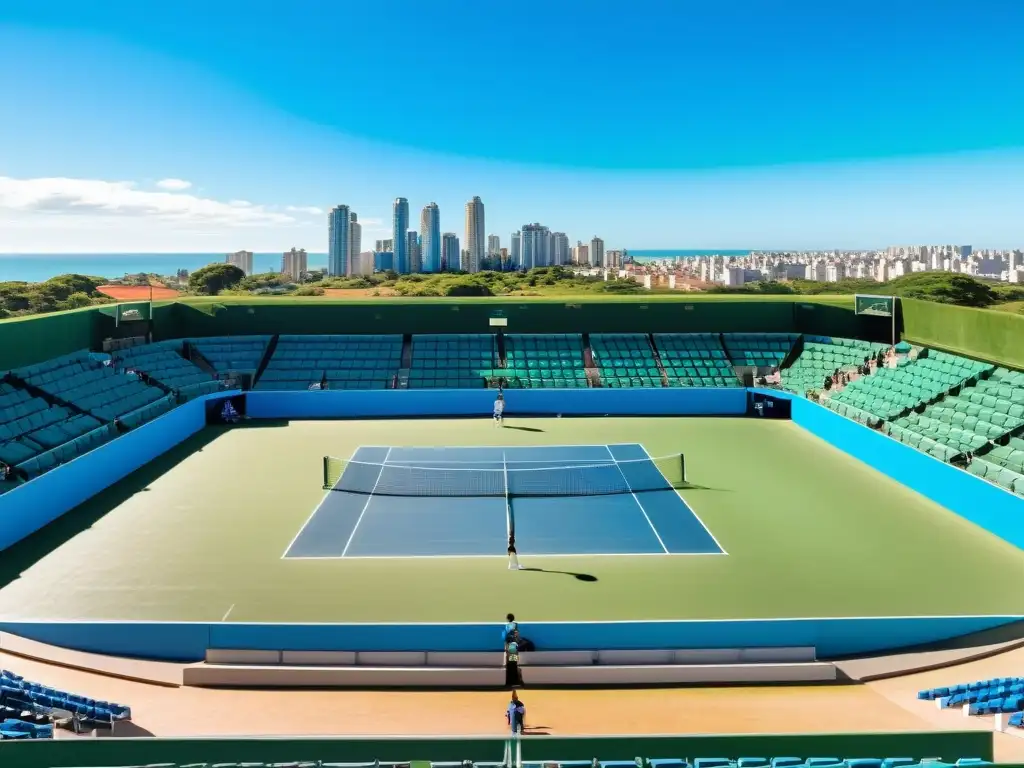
point(34, 267)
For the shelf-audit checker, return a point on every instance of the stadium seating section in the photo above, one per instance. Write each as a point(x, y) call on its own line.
point(27, 709)
point(232, 354)
point(695, 360)
point(625, 360)
point(758, 349)
point(340, 362)
point(821, 357)
point(1001, 695)
point(541, 361)
point(163, 362)
point(452, 361)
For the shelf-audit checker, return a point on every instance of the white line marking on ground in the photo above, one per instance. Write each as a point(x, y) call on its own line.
point(641, 506)
point(228, 612)
point(366, 506)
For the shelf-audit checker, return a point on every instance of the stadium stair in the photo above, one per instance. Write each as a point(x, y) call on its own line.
point(267, 355)
point(657, 359)
point(592, 372)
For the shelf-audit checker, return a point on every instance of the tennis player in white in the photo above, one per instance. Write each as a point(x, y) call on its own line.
point(499, 409)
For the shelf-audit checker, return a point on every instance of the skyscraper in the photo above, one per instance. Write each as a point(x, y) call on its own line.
point(294, 263)
point(475, 234)
point(560, 253)
point(384, 245)
point(450, 256)
point(412, 249)
point(515, 255)
point(400, 222)
point(338, 222)
point(430, 238)
point(597, 252)
point(535, 246)
point(241, 259)
point(355, 241)
point(493, 247)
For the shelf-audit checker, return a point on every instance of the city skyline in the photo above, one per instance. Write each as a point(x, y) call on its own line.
point(146, 132)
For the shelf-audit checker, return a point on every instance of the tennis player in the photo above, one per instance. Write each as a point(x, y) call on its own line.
point(513, 556)
point(499, 409)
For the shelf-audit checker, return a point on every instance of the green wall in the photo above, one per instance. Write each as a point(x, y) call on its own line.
point(28, 340)
point(986, 334)
point(81, 753)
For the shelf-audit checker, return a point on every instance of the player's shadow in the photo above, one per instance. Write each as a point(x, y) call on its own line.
point(577, 576)
point(524, 429)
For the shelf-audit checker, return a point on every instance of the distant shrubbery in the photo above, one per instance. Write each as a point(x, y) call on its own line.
point(58, 293)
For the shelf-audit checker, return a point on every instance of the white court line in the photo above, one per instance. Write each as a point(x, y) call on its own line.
point(530, 554)
point(366, 506)
point(641, 506)
point(228, 612)
point(692, 512)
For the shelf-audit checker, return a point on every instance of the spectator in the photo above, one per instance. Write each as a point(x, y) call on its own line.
point(524, 645)
point(510, 627)
point(5, 472)
point(516, 714)
point(229, 415)
point(512, 678)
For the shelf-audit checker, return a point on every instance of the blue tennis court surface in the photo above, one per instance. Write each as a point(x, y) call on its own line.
point(461, 502)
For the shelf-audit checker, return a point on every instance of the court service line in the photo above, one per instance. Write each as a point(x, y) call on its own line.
point(366, 506)
point(641, 506)
point(692, 510)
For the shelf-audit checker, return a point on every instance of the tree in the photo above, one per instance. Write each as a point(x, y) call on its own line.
point(214, 278)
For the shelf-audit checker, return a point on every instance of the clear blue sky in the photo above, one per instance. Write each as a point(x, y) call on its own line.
point(652, 123)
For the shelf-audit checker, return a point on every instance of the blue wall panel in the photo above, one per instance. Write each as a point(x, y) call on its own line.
point(29, 507)
point(479, 402)
point(982, 503)
point(184, 641)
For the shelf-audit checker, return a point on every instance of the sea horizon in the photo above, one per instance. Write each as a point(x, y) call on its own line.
point(37, 267)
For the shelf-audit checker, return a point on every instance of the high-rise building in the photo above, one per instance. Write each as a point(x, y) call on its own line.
point(294, 263)
point(535, 246)
point(597, 252)
point(613, 259)
point(355, 240)
point(241, 259)
point(493, 246)
point(450, 254)
point(382, 246)
point(475, 233)
point(560, 253)
point(464, 260)
point(412, 248)
point(430, 238)
point(580, 254)
point(338, 240)
point(362, 264)
point(515, 255)
point(400, 225)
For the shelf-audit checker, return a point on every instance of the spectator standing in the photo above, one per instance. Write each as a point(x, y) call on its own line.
point(512, 677)
point(515, 714)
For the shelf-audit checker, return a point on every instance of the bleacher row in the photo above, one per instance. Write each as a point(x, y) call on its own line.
point(1001, 695)
point(29, 710)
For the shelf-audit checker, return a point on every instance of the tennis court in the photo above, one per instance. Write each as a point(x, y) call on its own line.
point(400, 502)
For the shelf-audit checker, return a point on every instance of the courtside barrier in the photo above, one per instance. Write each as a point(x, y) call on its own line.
point(333, 404)
point(946, 745)
point(29, 507)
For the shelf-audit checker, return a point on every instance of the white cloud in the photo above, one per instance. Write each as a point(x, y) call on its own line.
point(174, 185)
point(122, 199)
point(312, 210)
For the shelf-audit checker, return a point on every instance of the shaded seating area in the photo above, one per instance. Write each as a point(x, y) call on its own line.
point(822, 356)
point(762, 350)
point(232, 354)
point(38, 704)
point(544, 361)
point(163, 362)
point(695, 360)
point(452, 361)
point(344, 361)
point(625, 360)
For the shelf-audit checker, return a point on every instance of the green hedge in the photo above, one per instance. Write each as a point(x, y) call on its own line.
point(981, 333)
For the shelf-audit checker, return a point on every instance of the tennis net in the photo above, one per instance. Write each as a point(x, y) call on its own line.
point(505, 480)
